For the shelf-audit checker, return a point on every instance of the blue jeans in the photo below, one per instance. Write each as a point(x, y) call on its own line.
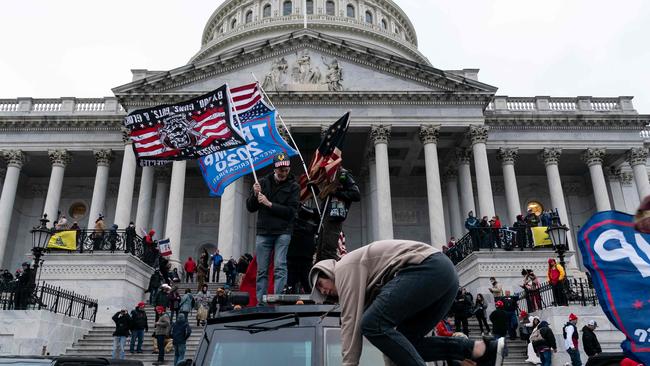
point(139, 335)
point(118, 342)
point(264, 246)
point(575, 357)
point(152, 295)
point(546, 357)
point(179, 353)
point(408, 307)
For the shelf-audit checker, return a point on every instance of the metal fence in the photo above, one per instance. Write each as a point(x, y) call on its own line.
point(569, 292)
point(47, 297)
point(89, 241)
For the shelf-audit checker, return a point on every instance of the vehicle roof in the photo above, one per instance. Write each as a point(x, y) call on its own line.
point(266, 312)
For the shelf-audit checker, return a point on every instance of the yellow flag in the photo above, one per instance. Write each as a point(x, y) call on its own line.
point(540, 236)
point(66, 240)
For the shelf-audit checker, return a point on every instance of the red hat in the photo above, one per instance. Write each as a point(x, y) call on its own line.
point(572, 316)
point(499, 304)
point(160, 309)
point(523, 314)
point(551, 261)
point(140, 304)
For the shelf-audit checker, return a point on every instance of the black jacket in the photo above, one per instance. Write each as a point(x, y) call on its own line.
point(500, 320)
point(122, 324)
point(139, 320)
point(347, 192)
point(181, 331)
point(284, 197)
point(590, 342)
point(549, 338)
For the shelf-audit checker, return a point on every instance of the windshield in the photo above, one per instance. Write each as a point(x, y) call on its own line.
point(288, 346)
point(370, 356)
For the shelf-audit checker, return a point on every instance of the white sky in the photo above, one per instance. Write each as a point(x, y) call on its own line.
point(83, 48)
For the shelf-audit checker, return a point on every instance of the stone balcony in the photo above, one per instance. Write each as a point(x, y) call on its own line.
point(504, 105)
point(107, 106)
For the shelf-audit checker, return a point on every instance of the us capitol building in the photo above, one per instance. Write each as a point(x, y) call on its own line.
point(426, 145)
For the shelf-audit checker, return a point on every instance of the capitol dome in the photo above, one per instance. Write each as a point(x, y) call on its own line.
point(379, 24)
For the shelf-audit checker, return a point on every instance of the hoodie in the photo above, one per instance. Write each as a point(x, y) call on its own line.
point(547, 334)
point(358, 277)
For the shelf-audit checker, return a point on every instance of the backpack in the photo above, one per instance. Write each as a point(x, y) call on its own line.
point(536, 336)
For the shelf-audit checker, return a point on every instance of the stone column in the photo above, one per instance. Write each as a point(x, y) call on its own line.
point(231, 213)
point(175, 210)
point(455, 217)
point(637, 158)
point(463, 159)
point(372, 196)
point(631, 199)
point(429, 137)
point(551, 158)
point(127, 182)
point(160, 205)
point(15, 160)
point(59, 159)
point(616, 189)
point(508, 157)
point(143, 212)
point(594, 160)
point(380, 136)
point(3, 173)
point(478, 135)
point(97, 205)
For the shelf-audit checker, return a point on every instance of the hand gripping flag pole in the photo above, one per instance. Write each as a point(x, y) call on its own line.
point(238, 127)
point(279, 116)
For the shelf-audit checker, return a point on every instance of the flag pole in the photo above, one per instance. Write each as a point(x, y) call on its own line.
point(302, 160)
point(248, 152)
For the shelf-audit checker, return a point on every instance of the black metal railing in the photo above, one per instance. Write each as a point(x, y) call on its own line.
point(571, 291)
point(47, 297)
point(89, 241)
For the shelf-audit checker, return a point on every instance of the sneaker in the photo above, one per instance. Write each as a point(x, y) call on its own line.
point(494, 353)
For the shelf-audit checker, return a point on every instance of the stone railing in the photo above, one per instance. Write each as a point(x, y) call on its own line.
point(504, 104)
point(21, 106)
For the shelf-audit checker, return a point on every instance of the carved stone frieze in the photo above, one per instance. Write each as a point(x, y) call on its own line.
point(302, 73)
point(380, 134)
point(637, 156)
point(478, 134)
point(59, 158)
point(463, 155)
point(627, 178)
point(508, 155)
point(594, 156)
point(103, 157)
point(550, 155)
point(613, 173)
point(15, 158)
point(429, 134)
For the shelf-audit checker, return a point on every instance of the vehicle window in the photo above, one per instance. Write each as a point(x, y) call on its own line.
point(370, 356)
point(292, 346)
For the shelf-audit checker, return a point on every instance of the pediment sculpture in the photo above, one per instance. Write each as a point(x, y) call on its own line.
point(304, 74)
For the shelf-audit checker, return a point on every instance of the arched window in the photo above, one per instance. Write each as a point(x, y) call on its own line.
point(329, 8)
point(249, 16)
point(384, 25)
point(368, 17)
point(350, 11)
point(266, 11)
point(233, 23)
point(310, 6)
point(287, 8)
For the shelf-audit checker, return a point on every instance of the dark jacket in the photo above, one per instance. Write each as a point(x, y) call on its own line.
point(181, 331)
point(590, 342)
point(500, 320)
point(139, 320)
point(284, 198)
point(346, 193)
point(161, 299)
point(547, 334)
point(122, 324)
point(155, 281)
point(463, 305)
point(130, 232)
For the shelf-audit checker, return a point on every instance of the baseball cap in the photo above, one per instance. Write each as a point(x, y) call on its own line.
point(592, 323)
point(281, 160)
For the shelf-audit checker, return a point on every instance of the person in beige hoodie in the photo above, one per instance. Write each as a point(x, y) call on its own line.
point(394, 292)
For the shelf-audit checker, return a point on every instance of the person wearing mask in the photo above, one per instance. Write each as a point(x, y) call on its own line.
point(543, 341)
point(161, 331)
point(122, 322)
point(129, 236)
point(570, 335)
point(479, 311)
point(139, 326)
point(589, 340)
point(216, 260)
point(190, 269)
point(181, 331)
point(556, 276)
point(472, 225)
point(275, 198)
point(500, 320)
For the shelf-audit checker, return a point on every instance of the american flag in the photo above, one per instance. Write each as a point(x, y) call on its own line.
point(342, 249)
point(327, 158)
point(202, 124)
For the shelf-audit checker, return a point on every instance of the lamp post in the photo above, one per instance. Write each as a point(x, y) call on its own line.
point(40, 238)
point(558, 233)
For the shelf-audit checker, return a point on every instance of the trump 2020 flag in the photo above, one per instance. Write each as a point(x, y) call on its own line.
point(263, 143)
point(618, 258)
point(186, 130)
point(165, 247)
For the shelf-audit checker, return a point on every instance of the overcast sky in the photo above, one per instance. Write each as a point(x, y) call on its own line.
point(84, 48)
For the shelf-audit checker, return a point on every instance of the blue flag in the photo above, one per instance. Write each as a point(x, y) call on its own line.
point(263, 142)
point(618, 258)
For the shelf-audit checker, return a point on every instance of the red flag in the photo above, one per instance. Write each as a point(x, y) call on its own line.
point(249, 282)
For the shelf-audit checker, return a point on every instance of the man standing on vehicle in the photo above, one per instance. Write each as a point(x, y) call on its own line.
point(394, 292)
point(275, 198)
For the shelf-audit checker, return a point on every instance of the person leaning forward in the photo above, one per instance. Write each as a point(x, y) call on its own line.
point(394, 292)
point(275, 199)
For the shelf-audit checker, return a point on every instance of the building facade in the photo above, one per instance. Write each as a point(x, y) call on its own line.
point(426, 145)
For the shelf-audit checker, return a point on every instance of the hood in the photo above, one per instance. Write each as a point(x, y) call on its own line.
point(152, 232)
point(181, 319)
point(543, 324)
point(327, 267)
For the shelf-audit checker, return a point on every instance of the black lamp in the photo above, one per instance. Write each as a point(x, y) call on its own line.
point(40, 238)
point(558, 233)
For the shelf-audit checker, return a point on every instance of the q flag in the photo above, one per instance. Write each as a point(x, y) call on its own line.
point(186, 130)
point(224, 167)
point(618, 258)
point(66, 240)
